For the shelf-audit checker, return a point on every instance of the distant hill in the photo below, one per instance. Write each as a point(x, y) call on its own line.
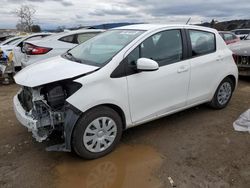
point(221, 26)
point(227, 25)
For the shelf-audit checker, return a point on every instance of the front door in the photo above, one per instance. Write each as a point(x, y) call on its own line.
point(158, 92)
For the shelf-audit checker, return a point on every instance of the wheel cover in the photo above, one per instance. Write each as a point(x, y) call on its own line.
point(224, 93)
point(100, 134)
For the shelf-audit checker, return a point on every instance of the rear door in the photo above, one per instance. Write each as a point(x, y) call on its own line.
point(206, 65)
point(155, 93)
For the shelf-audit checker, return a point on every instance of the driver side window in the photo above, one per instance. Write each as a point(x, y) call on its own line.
point(164, 47)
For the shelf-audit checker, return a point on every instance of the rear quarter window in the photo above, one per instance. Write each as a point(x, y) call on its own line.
point(202, 42)
point(69, 39)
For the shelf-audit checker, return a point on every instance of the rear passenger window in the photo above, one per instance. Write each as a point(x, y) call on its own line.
point(69, 39)
point(202, 42)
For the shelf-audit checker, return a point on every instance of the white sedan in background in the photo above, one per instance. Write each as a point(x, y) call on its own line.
point(10, 41)
point(55, 45)
point(17, 48)
point(17, 45)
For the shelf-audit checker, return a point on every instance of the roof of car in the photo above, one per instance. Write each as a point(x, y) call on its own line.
point(148, 27)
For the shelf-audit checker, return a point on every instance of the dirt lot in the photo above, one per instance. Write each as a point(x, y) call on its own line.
point(196, 148)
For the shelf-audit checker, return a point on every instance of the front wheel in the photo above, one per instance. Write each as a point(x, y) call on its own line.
point(223, 94)
point(97, 133)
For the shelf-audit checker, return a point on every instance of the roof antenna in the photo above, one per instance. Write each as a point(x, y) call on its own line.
point(188, 21)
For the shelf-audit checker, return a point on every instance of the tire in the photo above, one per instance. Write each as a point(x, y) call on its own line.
point(97, 132)
point(223, 94)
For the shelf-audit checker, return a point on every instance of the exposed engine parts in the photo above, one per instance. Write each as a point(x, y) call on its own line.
point(46, 105)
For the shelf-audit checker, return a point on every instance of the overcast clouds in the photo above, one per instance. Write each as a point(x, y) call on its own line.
point(52, 13)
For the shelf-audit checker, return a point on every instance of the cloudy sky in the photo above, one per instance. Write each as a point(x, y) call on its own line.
point(53, 13)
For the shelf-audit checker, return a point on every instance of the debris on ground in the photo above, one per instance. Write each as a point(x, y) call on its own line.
point(243, 122)
point(171, 181)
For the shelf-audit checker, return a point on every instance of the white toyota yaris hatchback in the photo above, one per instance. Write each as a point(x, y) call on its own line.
point(122, 78)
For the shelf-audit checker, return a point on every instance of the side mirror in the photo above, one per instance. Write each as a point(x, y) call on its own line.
point(145, 64)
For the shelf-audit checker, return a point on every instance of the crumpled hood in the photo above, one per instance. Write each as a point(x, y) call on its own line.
point(51, 70)
point(241, 47)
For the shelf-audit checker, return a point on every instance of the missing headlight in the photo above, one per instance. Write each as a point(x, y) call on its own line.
point(56, 93)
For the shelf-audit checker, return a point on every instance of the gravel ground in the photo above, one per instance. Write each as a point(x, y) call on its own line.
point(196, 148)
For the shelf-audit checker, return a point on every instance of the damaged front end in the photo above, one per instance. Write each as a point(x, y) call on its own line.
point(44, 109)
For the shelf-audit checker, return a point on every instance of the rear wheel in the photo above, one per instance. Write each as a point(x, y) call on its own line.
point(223, 94)
point(97, 133)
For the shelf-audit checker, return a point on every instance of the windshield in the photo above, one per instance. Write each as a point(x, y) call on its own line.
point(102, 48)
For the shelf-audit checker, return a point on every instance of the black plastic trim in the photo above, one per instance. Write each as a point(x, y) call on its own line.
point(72, 115)
point(119, 71)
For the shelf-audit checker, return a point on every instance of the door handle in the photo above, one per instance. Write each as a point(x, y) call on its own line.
point(183, 68)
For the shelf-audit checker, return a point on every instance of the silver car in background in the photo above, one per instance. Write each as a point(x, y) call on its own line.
point(241, 51)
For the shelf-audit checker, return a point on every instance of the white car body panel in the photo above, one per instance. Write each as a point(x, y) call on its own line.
point(163, 98)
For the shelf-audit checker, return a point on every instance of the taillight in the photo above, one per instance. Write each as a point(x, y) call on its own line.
point(31, 49)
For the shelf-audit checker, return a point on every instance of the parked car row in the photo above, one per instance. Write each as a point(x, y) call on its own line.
point(39, 46)
point(119, 79)
point(16, 46)
point(54, 45)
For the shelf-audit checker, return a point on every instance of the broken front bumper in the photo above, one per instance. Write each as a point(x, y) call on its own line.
point(26, 120)
point(72, 115)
